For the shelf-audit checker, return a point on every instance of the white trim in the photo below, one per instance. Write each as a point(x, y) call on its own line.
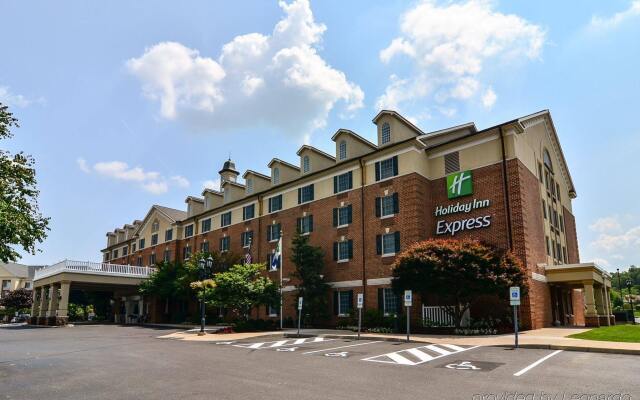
point(345, 284)
point(473, 143)
point(391, 155)
point(378, 281)
point(388, 255)
point(538, 277)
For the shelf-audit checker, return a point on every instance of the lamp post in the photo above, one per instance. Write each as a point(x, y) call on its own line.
point(205, 269)
point(633, 315)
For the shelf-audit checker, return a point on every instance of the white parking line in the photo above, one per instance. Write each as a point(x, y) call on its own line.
point(341, 347)
point(522, 371)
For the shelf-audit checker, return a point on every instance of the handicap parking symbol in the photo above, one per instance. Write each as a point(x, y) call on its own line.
point(464, 365)
point(337, 354)
point(287, 349)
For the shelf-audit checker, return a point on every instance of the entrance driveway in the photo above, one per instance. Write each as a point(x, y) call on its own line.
point(112, 362)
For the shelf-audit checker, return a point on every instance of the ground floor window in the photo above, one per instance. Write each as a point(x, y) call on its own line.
point(389, 302)
point(273, 311)
point(343, 302)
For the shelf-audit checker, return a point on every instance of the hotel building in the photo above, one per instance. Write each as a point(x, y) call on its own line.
point(507, 185)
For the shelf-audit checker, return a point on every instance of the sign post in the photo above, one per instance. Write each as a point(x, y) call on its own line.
point(408, 299)
point(514, 297)
point(299, 313)
point(360, 303)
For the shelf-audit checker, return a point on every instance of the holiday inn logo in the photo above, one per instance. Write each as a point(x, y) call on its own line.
point(459, 184)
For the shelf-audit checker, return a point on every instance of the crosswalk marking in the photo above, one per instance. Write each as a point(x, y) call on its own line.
point(281, 343)
point(418, 355)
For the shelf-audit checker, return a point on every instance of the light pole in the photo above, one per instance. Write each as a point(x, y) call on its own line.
point(204, 268)
point(633, 314)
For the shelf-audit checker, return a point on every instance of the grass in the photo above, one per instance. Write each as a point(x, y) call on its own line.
point(617, 333)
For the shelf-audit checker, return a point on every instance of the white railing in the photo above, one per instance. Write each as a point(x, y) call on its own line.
point(94, 268)
point(436, 315)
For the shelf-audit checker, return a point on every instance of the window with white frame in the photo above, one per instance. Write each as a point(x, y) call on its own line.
point(276, 176)
point(249, 185)
point(133, 247)
point(27, 285)
point(345, 302)
point(168, 235)
point(275, 203)
point(388, 244)
point(188, 231)
point(225, 219)
point(204, 247)
point(152, 259)
point(206, 225)
point(343, 251)
point(273, 311)
point(387, 206)
point(6, 284)
point(306, 164)
point(305, 224)
point(166, 256)
point(154, 239)
point(389, 302)
point(386, 133)
point(342, 216)
point(248, 212)
point(342, 150)
point(343, 182)
point(115, 254)
point(386, 168)
point(273, 232)
point(187, 252)
point(225, 243)
point(125, 251)
point(246, 238)
point(305, 194)
point(141, 243)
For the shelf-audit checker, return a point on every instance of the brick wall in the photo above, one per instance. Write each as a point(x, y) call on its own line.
point(572, 237)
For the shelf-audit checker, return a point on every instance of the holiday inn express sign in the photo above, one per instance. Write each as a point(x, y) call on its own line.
point(460, 184)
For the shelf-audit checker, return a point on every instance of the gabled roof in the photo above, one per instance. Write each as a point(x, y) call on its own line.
point(193, 198)
point(214, 192)
point(172, 214)
point(252, 172)
point(354, 135)
point(398, 116)
point(315, 150)
point(277, 160)
point(20, 270)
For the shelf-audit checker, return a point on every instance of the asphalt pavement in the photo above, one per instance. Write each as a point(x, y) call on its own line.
point(113, 362)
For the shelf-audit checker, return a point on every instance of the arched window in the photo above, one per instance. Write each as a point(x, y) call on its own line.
point(547, 160)
point(305, 164)
point(249, 185)
point(386, 133)
point(276, 176)
point(342, 150)
point(155, 226)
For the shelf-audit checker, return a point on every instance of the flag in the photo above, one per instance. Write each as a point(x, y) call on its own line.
point(275, 261)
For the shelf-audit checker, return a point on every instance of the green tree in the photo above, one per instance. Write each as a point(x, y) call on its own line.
point(17, 300)
point(457, 272)
point(21, 224)
point(239, 289)
point(309, 262)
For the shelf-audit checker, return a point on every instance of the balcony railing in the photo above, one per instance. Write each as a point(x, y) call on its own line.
point(93, 268)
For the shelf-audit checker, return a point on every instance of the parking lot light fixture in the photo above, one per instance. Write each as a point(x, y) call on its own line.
point(202, 265)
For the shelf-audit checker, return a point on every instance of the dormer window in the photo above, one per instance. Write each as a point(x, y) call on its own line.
point(342, 150)
point(276, 176)
point(547, 160)
point(249, 186)
point(306, 164)
point(386, 133)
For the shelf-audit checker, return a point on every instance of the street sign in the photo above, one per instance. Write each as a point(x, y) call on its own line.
point(408, 298)
point(299, 303)
point(360, 300)
point(514, 295)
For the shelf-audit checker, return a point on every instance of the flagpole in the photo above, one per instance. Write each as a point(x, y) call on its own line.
point(281, 252)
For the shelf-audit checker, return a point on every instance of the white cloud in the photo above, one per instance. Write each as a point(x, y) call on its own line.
point(17, 100)
point(613, 242)
point(150, 181)
point(213, 184)
point(277, 79)
point(604, 23)
point(602, 262)
point(606, 224)
point(448, 46)
point(489, 98)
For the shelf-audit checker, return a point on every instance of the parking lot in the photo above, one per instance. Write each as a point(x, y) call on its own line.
point(111, 362)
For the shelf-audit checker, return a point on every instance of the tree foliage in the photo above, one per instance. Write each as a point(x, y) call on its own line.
point(309, 262)
point(21, 224)
point(457, 271)
point(240, 289)
point(18, 299)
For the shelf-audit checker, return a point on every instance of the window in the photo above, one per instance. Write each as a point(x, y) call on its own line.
point(125, 251)
point(387, 206)
point(546, 239)
point(342, 216)
point(152, 259)
point(451, 162)
point(389, 301)
point(305, 224)
point(154, 239)
point(343, 182)
point(546, 179)
point(558, 251)
point(553, 248)
point(273, 232)
point(224, 243)
point(246, 238)
point(133, 247)
point(155, 226)
point(275, 203)
point(343, 251)
point(555, 219)
point(204, 247)
point(168, 235)
point(342, 150)
point(546, 158)
point(225, 219)
point(343, 302)
point(187, 252)
point(166, 257)
point(115, 254)
point(139, 261)
point(141, 244)
point(560, 218)
point(544, 209)
point(249, 185)
point(558, 190)
point(564, 254)
point(248, 212)
point(305, 194)
point(540, 175)
point(188, 231)
point(6, 284)
point(276, 176)
point(206, 225)
point(388, 244)
point(106, 257)
point(269, 260)
point(306, 164)
point(386, 133)
point(387, 168)
point(273, 310)
point(27, 285)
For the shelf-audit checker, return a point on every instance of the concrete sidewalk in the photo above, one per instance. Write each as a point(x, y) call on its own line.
point(549, 338)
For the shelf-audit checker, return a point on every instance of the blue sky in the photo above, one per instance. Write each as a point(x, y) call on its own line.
point(127, 104)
